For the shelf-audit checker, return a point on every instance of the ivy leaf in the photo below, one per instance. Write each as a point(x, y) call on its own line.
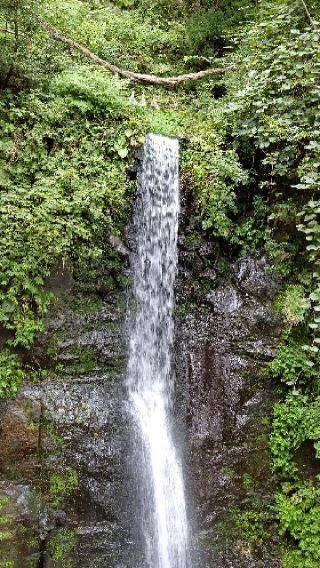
point(123, 152)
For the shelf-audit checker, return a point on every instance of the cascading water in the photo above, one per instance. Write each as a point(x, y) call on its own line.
point(150, 378)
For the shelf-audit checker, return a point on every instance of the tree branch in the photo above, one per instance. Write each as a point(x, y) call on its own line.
point(138, 77)
point(2, 30)
point(306, 9)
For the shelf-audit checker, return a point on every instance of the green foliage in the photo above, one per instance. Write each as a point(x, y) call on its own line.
point(271, 107)
point(252, 524)
point(292, 365)
point(299, 517)
point(296, 420)
point(293, 305)
point(251, 157)
point(277, 103)
point(210, 29)
point(272, 104)
point(134, 38)
point(6, 532)
point(213, 170)
point(252, 230)
point(11, 374)
point(310, 226)
point(215, 173)
point(62, 176)
point(18, 21)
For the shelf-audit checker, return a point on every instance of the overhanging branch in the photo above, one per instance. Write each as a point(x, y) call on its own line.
point(132, 76)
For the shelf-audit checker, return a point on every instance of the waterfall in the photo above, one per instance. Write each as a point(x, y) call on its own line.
point(150, 377)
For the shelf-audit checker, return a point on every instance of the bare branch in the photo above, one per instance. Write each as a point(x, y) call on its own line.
point(306, 9)
point(6, 31)
point(138, 77)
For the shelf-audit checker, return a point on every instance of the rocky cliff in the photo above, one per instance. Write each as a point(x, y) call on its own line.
point(67, 497)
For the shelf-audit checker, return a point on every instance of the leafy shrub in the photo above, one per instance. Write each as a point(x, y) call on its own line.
point(210, 28)
point(215, 174)
point(66, 187)
point(214, 171)
point(292, 365)
point(299, 516)
point(11, 374)
point(296, 420)
point(272, 108)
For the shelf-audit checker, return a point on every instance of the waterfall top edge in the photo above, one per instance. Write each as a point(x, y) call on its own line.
point(151, 135)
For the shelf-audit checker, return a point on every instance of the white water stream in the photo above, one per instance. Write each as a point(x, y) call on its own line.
point(150, 377)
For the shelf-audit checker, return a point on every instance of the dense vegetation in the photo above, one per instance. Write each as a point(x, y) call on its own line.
point(252, 158)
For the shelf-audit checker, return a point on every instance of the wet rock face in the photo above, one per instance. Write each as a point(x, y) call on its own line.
point(64, 482)
point(221, 346)
point(66, 495)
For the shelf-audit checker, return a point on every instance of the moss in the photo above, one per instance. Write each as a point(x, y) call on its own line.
point(6, 535)
point(253, 525)
point(193, 240)
point(265, 421)
point(87, 360)
point(184, 309)
point(51, 430)
point(83, 361)
point(62, 485)
point(62, 548)
point(87, 304)
point(223, 538)
point(223, 267)
point(248, 481)
point(241, 530)
point(6, 522)
point(28, 409)
point(52, 343)
point(227, 471)
point(6, 532)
